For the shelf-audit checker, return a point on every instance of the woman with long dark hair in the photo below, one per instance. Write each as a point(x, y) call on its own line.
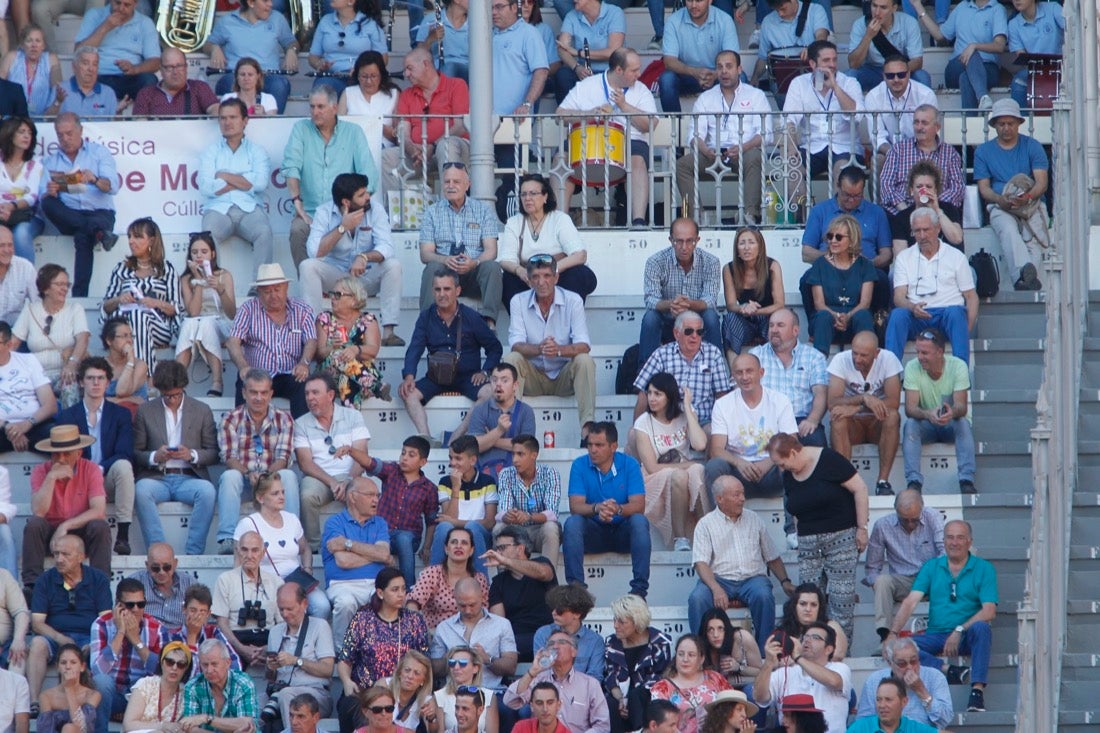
point(70, 707)
point(808, 604)
point(667, 437)
point(20, 178)
point(434, 592)
point(371, 91)
point(753, 284)
point(729, 649)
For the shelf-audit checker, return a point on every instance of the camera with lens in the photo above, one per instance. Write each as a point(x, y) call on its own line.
point(252, 611)
point(270, 712)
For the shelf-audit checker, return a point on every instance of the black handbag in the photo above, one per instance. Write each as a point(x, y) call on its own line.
point(443, 365)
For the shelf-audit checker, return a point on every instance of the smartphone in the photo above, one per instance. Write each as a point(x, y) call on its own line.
point(819, 80)
point(206, 268)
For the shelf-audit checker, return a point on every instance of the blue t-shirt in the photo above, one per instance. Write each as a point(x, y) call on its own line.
point(841, 288)
point(699, 45)
point(623, 481)
point(598, 34)
point(999, 165)
point(871, 217)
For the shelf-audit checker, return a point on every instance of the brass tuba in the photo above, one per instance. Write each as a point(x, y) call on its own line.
point(185, 24)
point(304, 15)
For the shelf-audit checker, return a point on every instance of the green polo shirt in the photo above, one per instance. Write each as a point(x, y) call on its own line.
point(975, 585)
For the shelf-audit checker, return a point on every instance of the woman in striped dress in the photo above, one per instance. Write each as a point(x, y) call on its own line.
point(144, 289)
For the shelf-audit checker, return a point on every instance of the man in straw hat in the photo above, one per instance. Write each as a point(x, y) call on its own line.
point(276, 333)
point(734, 709)
point(67, 497)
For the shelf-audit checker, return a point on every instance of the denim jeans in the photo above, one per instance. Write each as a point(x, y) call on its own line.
point(482, 539)
point(230, 490)
point(1019, 93)
point(919, 432)
point(976, 641)
point(972, 79)
point(755, 592)
point(197, 492)
point(952, 320)
point(673, 86)
point(403, 545)
point(24, 235)
point(112, 700)
point(586, 534)
point(84, 227)
point(657, 330)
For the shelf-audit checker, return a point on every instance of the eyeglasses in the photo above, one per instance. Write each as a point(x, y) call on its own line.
point(460, 663)
point(173, 663)
point(502, 548)
point(693, 331)
point(172, 395)
point(379, 709)
point(453, 163)
point(531, 194)
point(815, 637)
point(835, 237)
point(895, 74)
point(133, 604)
point(49, 325)
point(160, 568)
point(339, 294)
point(195, 236)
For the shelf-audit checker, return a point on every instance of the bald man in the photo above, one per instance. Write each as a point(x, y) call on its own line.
point(164, 587)
point(488, 635)
point(175, 94)
point(864, 398)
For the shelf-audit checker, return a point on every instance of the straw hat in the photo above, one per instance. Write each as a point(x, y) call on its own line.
point(64, 438)
point(733, 696)
point(270, 274)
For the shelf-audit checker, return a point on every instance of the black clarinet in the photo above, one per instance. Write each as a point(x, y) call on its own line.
point(439, 20)
point(389, 26)
point(587, 56)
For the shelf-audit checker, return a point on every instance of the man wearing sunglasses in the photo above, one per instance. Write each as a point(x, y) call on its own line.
point(125, 646)
point(883, 34)
point(962, 602)
point(164, 587)
point(895, 96)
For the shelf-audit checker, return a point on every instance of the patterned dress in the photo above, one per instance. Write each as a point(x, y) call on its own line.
point(691, 699)
point(152, 329)
point(355, 380)
point(373, 646)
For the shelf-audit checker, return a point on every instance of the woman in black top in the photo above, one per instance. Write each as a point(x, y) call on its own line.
point(829, 499)
point(753, 283)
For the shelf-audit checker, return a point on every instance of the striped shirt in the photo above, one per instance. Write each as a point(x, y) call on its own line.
point(901, 158)
point(257, 446)
point(896, 552)
point(459, 232)
point(808, 369)
point(127, 667)
point(707, 375)
point(735, 549)
point(275, 348)
point(664, 278)
point(545, 490)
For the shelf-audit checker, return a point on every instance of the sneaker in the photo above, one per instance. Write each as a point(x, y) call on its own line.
point(654, 44)
point(915, 486)
point(883, 488)
point(985, 103)
point(433, 441)
point(957, 674)
point(976, 703)
point(967, 487)
point(754, 39)
point(225, 547)
point(681, 544)
point(122, 547)
point(107, 241)
point(792, 541)
point(638, 224)
point(1029, 278)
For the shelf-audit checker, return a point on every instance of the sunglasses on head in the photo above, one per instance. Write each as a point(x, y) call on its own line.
point(895, 74)
point(472, 690)
point(379, 709)
point(453, 164)
point(195, 236)
point(542, 259)
point(928, 335)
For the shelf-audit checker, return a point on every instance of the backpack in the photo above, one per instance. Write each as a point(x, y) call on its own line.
point(987, 277)
point(628, 371)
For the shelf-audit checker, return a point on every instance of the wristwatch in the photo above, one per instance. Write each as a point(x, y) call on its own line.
point(139, 646)
point(341, 229)
point(348, 544)
point(299, 662)
point(960, 628)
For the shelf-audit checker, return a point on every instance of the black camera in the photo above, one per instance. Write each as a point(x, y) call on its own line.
point(252, 611)
point(270, 712)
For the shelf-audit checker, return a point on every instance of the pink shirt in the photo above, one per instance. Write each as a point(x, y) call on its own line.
point(70, 496)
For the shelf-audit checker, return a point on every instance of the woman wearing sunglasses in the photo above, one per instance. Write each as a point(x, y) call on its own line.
point(378, 704)
point(348, 340)
point(129, 386)
point(538, 232)
point(464, 671)
point(842, 283)
point(156, 702)
point(210, 303)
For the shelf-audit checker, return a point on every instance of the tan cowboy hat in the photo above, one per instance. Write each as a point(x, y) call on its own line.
point(733, 696)
point(64, 438)
point(270, 274)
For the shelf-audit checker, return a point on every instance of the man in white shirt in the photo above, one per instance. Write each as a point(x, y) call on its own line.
point(864, 398)
point(725, 126)
point(613, 95)
point(15, 703)
point(548, 335)
point(807, 668)
point(826, 139)
point(742, 424)
point(351, 235)
point(233, 174)
point(891, 104)
point(933, 286)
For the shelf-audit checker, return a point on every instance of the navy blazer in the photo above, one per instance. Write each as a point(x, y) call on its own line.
point(116, 431)
point(13, 101)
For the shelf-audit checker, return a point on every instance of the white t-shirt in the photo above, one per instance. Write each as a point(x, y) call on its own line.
point(347, 426)
point(886, 365)
point(15, 698)
point(665, 437)
point(19, 380)
point(594, 91)
point(748, 429)
point(835, 704)
point(939, 282)
point(281, 554)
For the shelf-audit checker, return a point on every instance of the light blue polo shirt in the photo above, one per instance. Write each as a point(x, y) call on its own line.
point(135, 41)
point(610, 20)
point(550, 41)
point(518, 51)
point(698, 45)
point(904, 34)
point(969, 24)
point(456, 41)
point(1045, 34)
point(342, 44)
point(778, 33)
point(263, 40)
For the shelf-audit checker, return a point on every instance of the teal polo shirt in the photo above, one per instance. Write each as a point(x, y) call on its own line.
point(976, 584)
point(907, 725)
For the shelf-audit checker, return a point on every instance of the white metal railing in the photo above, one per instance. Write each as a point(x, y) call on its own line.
point(595, 154)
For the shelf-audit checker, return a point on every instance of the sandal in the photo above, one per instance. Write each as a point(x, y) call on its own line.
point(34, 710)
point(214, 392)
